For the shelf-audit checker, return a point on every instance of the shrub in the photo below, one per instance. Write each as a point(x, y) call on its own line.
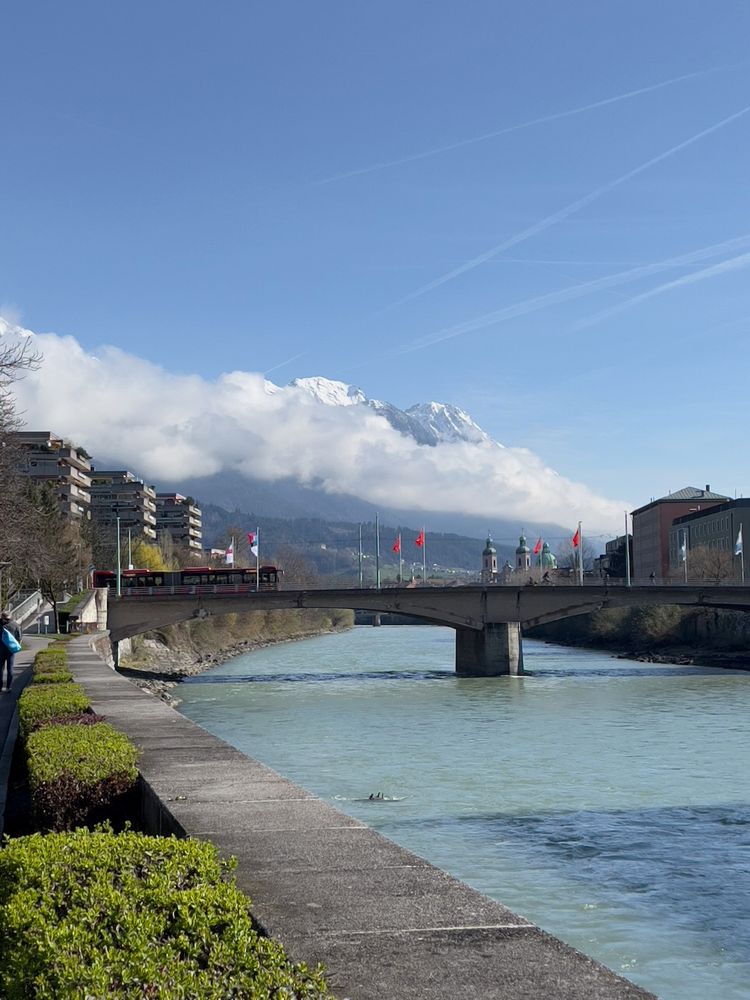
point(656, 625)
point(76, 769)
point(50, 659)
point(50, 676)
point(95, 915)
point(41, 704)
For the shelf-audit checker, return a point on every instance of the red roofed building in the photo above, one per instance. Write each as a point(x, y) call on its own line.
point(651, 525)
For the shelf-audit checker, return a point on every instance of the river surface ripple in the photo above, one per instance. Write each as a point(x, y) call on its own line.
point(604, 799)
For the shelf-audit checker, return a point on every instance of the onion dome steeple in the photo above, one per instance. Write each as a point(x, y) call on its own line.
point(523, 556)
point(489, 561)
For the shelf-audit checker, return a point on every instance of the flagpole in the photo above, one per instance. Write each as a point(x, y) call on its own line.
point(685, 543)
point(400, 562)
point(627, 553)
point(360, 555)
point(377, 551)
point(119, 561)
point(424, 556)
point(580, 554)
point(739, 544)
point(257, 559)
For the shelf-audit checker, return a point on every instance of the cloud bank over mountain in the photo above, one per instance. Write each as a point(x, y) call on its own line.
point(165, 427)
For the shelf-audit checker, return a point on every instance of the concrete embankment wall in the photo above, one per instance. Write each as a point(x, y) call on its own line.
point(385, 922)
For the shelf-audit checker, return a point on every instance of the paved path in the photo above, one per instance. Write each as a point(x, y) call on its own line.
point(9, 715)
point(385, 922)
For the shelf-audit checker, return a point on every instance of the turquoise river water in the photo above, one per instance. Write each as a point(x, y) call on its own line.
point(604, 799)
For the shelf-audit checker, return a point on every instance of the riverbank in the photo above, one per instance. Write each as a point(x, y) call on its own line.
point(684, 636)
point(679, 655)
point(159, 667)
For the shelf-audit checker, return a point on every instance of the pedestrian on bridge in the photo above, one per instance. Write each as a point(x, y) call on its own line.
point(8, 654)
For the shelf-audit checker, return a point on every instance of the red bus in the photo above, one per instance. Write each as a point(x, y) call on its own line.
point(242, 579)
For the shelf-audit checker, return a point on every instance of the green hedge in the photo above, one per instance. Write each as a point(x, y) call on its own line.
point(41, 704)
point(50, 659)
point(51, 667)
point(51, 677)
point(75, 770)
point(94, 916)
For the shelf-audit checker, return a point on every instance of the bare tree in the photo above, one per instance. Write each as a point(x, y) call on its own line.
point(298, 572)
point(16, 359)
point(52, 556)
point(711, 565)
point(567, 556)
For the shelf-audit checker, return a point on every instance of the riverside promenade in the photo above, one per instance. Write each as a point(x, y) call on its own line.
point(385, 923)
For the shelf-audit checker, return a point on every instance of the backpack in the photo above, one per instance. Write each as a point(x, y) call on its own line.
point(10, 642)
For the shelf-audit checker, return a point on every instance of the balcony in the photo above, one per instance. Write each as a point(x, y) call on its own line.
point(75, 459)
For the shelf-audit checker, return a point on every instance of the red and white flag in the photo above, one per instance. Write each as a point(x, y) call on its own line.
point(538, 547)
point(229, 554)
point(420, 539)
point(397, 544)
point(252, 537)
point(577, 538)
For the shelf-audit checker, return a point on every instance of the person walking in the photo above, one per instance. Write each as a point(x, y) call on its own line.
point(8, 655)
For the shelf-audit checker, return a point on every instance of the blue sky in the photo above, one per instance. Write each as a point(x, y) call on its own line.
point(243, 186)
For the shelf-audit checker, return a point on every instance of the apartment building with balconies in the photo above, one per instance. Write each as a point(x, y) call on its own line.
point(182, 518)
point(47, 458)
point(120, 494)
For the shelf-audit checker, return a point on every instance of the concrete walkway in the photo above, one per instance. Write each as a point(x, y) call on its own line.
point(386, 923)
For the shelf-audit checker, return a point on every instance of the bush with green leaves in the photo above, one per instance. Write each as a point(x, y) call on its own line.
point(50, 659)
point(42, 704)
point(98, 916)
point(51, 677)
point(75, 770)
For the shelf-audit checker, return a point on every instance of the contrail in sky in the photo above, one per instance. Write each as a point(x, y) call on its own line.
point(580, 290)
point(733, 264)
point(563, 213)
point(282, 363)
point(514, 128)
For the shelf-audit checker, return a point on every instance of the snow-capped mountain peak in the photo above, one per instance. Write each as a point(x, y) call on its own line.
point(428, 423)
point(330, 392)
point(447, 422)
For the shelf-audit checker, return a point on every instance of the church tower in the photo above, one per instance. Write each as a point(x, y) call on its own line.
point(523, 556)
point(489, 562)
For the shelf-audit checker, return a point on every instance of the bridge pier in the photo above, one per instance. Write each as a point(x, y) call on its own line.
point(494, 651)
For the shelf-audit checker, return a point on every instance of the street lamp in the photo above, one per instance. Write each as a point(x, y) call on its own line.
point(119, 581)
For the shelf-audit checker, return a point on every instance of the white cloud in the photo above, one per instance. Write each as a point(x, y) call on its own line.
point(167, 427)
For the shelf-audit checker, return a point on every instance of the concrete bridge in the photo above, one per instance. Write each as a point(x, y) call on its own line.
point(488, 620)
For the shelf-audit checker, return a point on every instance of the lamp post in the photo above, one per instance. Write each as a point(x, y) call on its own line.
point(377, 551)
point(360, 556)
point(119, 581)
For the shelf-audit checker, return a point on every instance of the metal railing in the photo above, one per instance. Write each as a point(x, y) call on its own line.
point(27, 607)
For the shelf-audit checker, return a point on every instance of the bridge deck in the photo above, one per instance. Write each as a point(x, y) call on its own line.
point(460, 607)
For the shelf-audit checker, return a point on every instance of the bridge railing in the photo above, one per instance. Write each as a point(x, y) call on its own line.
point(248, 590)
